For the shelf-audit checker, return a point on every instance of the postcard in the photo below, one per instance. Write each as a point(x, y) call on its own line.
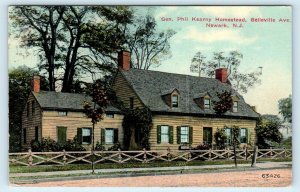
point(150, 96)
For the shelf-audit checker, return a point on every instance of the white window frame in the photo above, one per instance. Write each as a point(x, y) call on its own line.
point(62, 113)
point(235, 107)
point(184, 131)
point(174, 102)
point(206, 106)
point(85, 134)
point(109, 139)
point(110, 115)
point(243, 130)
point(164, 134)
point(228, 136)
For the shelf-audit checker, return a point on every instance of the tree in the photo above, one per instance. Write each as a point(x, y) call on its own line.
point(65, 38)
point(220, 138)
point(239, 81)
point(267, 131)
point(198, 63)
point(285, 108)
point(96, 110)
point(147, 45)
point(19, 87)
point(224, 104)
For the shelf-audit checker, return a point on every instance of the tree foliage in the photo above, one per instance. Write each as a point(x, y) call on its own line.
point(148, 46)
point(240, 81)
point(66, 40)
point(285, 108)
point(224, 103)
point(267, 131)
point(19, 88)
point(220, 138)
point(137, 121)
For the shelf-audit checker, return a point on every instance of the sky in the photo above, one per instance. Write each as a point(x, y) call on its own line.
point(263, 44)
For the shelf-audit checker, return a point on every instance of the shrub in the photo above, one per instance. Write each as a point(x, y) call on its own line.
point(220, 138)
point(99, 147)
point(73, 145)
point(202, 147)
point(48, 145)
point(115, 147)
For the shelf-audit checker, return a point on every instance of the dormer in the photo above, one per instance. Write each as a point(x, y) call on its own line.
point(171, 97)
point(203, 100)
point(235, 104)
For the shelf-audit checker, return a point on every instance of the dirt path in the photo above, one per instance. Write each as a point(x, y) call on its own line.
point(224, 179)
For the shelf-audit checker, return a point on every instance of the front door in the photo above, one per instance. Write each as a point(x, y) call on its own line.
point(207, 136)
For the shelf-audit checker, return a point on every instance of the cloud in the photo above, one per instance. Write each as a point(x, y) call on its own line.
point(232, 11)
point(209, 36)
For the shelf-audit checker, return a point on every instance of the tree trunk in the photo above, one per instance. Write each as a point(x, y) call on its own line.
point(254, 157)
point(132, 144)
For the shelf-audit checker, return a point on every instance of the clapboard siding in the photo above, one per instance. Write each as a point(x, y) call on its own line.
point(197, 123)
point(124, 92)
point(31, 121)
point(76, 120)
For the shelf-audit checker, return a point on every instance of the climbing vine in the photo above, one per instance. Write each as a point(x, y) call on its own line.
point(141, 121)
point(224, 104)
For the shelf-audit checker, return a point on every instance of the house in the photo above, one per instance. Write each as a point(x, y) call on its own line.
point(60, 116)
point(181, 107)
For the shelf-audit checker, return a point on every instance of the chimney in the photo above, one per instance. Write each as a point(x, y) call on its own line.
point(221, 75)
point(36, 83)
point(124, 60)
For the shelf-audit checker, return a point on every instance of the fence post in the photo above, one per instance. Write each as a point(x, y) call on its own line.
point(144, 156)
point(30, 159)
point(246, 153)
point(168, 153)
point(284, 154)
point(254, 156)
point(271, 152)
point(64, 158)
point(209, 155)
point(119, 156)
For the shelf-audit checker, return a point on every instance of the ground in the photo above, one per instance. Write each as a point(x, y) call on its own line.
point(258, 178)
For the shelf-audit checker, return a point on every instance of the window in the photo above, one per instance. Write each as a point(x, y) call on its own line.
point(165, 134)
point(184, 134)
point(174, 100)
point(33, 107)
point(62, 113)
point(228, 136)
point(131, 102)
point(109, 136)
point(207, 136)
point(86, 135)
point(235, 107)
point(27, 109)
point(36, 133)
point(206, 103)
point(24, 136)
point(110, 115)
point(61, 135)
point(243, 135)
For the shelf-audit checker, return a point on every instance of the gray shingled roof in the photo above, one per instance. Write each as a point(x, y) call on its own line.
point(65, 101)
point(151, 85)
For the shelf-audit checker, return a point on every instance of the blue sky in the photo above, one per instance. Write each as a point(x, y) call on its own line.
point(262, 44)
point(265, 44)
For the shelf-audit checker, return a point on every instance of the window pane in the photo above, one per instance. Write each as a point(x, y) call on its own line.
point(243, 137)
point(235, 106)
point(174, 101)
point(165, 134)
point(109, 136)
point(184, 134)
point(86, 136)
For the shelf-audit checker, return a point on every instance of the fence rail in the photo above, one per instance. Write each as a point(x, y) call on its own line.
point(72, 157)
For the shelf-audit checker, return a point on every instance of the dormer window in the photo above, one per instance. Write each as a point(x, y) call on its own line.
point(174, 100)
point(235, 107)
point(206, 103)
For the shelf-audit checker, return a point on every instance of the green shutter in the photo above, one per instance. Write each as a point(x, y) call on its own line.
point(79, 135)
point(116, 135)
point(158, 134)
point(178, 135)
point(91, 131)
point(171, 134)
point(61, 134)
point(190, 135)
point(248, 136)
point(103, 136)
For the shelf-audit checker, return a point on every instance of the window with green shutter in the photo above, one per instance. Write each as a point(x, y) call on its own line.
point(171, 134)
point(158, 136)
point(190, 135)
point(243, 135)
point(61, 134)
point(79, 135)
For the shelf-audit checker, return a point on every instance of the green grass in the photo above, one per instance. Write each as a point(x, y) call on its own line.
point(49, 168)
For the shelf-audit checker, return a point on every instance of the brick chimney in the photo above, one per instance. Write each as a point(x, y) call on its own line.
point(221, 75)
point(124, 60)
point(36, 83)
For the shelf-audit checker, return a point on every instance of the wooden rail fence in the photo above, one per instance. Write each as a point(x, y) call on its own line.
point(72, 157)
